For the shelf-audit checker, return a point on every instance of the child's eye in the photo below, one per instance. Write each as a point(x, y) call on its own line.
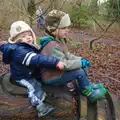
point(29, 34)
point(23, 36)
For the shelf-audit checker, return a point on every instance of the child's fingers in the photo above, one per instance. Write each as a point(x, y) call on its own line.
point(60, 65)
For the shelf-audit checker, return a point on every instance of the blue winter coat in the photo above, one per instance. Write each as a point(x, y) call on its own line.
point(24, 59)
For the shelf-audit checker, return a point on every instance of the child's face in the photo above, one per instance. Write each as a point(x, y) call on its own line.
point(62, 33)
point(26, 37)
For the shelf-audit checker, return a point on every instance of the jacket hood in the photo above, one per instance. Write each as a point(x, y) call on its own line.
point(7, 50)
point(44, 41)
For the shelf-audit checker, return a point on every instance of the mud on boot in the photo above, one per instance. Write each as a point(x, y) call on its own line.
point(44, 110)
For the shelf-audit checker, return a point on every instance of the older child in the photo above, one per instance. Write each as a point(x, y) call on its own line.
point(22, 53)
point(57, 23)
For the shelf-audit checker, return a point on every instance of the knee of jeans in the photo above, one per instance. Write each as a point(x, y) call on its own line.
point(81, 72)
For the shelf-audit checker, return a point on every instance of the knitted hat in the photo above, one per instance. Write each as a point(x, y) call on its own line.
point(57, 19)
point(17, 28)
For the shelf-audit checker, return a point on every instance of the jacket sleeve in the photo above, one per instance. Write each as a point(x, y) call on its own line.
point(43, 61)
point(2, 44)
point(73, 57)
point(2, 47)
point(7, 50)
point(70, 64)
point(33, 59)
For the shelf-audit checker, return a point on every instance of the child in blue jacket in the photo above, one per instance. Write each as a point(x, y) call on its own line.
point(22, 53)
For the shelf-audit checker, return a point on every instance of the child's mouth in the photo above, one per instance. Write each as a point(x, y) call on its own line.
point(29, 41)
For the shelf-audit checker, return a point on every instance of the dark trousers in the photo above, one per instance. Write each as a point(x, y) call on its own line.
point(79, 75)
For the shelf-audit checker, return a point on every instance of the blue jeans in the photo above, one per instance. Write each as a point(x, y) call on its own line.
point(79, 75)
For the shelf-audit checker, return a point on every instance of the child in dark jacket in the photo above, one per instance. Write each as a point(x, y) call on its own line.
point(22, 53)
point(57, 23)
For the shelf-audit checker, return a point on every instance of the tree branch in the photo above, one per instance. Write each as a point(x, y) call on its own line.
point(91, 42)
point(96, 22)
point(45, 10)
point(38, 2)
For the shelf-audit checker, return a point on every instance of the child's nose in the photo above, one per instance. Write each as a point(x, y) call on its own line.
point(28, 36)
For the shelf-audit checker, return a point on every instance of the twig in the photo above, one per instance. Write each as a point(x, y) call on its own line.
point(91, 42)
point(38, 3)
point(97, 22)
point(21, 10)
point(29, 15)
point(62, 5)
point(45, 10)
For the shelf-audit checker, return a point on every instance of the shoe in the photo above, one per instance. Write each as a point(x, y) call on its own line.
point(97, 94)
point(94, 94)
point(44, 110)
point(97, 86)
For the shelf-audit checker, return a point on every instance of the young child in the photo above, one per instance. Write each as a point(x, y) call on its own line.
point(22, 53)
point(57, 23)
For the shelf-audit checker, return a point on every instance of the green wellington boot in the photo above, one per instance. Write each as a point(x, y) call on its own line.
point(94, 94)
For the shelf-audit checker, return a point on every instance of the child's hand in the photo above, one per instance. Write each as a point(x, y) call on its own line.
point(60, 65)
point(85, 63)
